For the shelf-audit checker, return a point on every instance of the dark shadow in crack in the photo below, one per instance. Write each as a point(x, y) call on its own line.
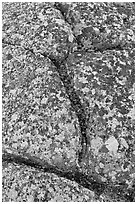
point(116, 193)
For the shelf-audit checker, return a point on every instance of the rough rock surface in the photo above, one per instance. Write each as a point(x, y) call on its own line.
point(68, 101)
point(37, 114)
point(25, 184)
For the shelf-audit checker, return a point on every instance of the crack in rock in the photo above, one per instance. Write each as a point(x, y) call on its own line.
point(75, 103)
point(87, 35)
point(91, 183)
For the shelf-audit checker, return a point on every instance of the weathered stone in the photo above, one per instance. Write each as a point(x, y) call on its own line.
point(37, 115)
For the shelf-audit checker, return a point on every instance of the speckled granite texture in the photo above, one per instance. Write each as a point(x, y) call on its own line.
point(68, 102)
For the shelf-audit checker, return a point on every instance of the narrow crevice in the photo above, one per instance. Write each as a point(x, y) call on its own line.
point(89, 182)
point(76, 103)
point(79, 108)
point(84, 180)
